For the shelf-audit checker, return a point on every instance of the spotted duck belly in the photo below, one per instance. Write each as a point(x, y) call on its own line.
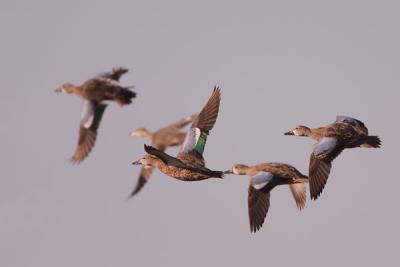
point(183, 174)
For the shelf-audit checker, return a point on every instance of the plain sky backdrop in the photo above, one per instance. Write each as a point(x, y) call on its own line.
point(279, 64)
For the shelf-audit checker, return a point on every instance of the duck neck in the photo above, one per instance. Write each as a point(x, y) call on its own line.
point(77, 90)
point(147, 134)
point(159, 164)
point(249, 170)
point(317, 133)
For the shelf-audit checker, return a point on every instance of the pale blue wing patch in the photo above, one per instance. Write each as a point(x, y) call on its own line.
point(191, 139)
point(352, 121)
point(261, 179)
point(341, 118)
point(87, 115)
point(105, 74)
point(325, 146)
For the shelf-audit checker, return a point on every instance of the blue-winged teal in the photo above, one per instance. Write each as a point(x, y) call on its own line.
point(345, 132)
point(94, 92)
point(189, 165)
point(263, 178)
point(161, 139)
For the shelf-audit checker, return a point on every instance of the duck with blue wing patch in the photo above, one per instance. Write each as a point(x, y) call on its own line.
point(345, 132)
point(264, 178)
point(189, 165)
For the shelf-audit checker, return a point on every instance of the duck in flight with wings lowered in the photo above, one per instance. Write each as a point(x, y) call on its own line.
point(345, 132)
point(94, 92)
point(168, 136)
point(189, 165)
point(263, 178)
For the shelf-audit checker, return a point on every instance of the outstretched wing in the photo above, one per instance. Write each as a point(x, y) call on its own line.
point(183, 122)
point(325, 151)
point(258, 205)
point(91, 116)
point(144, 177)
point(299, 194)
point(202, 125)
point(115, 74)
point(260, 187)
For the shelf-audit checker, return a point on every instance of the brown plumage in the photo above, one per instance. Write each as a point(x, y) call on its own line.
point(265, 177)
point(208, 115)
point(93, 92)
point(345, 132)
point(161, 139)
point(189, 165)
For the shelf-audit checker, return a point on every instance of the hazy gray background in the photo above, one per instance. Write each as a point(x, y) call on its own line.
point(279, 63)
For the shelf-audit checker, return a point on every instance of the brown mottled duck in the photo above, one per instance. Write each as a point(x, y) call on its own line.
point(263, 178)
point(168, 136)
point(94, 92)
point(189, 165)
point(345, 132)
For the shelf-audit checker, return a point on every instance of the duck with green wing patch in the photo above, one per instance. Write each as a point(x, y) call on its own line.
point(95, 92)
point(168, 136)
point(189, 165)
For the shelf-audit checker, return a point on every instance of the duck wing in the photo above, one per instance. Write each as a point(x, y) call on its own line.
point(353, 122)
point(299, 194)
point(325, 151)
point(115, 74)
point(90, 120)
point(167, 159)
point(144, 177)
point(171, 135)
point(202, 125)
point(183, 122)
point(260, 187)
point(258, 203)
point(175, 162)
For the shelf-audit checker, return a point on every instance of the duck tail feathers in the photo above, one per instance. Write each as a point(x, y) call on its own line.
point(216, 174)
point(124, 95)
point(372, 142)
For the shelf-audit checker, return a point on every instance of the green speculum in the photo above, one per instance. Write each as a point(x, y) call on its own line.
point(201, 143)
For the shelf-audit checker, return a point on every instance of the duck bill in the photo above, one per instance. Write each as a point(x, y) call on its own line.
point(228, 171)
point(136, 163)
point(58, 90)
point(289, 133)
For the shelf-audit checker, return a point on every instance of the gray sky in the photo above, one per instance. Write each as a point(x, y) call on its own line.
point(279, 64)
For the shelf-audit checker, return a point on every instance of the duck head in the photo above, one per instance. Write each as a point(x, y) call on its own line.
point(141, 132)
point(147, 161)
point(300, 131)
point(66, 88)
point(239, 169)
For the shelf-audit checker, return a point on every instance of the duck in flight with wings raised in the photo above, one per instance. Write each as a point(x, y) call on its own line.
point(189, 165)
point(168, 136)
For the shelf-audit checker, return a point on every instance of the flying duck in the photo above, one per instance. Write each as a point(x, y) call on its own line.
point(263, 178)
point(161, 139)
point(94, 92)
point(345, 132)
point(189, 165)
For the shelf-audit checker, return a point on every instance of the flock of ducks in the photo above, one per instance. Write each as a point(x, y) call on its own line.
point(189, 164)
